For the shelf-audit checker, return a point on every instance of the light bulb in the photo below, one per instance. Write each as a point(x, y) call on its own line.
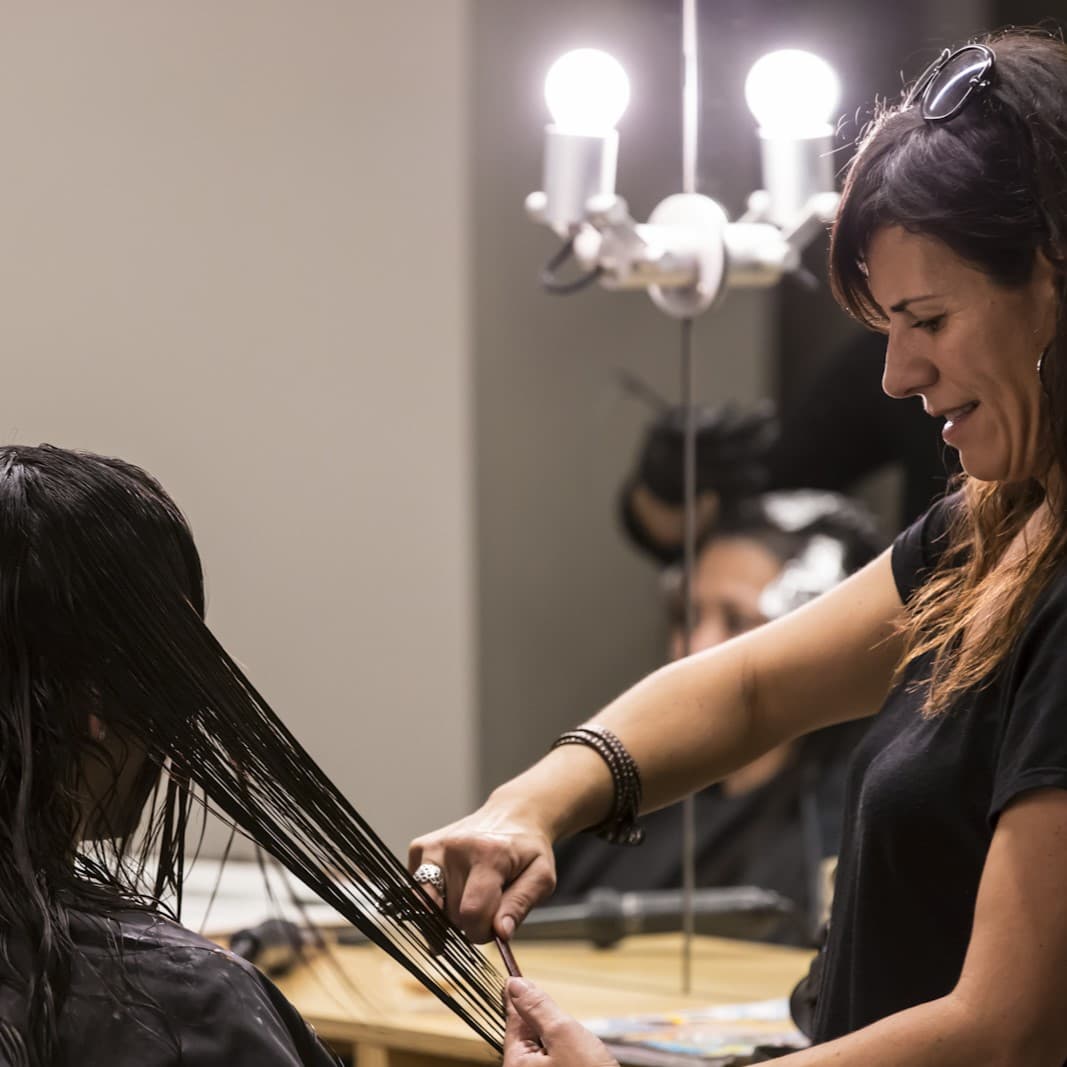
point(792, 93)
point(586, 91)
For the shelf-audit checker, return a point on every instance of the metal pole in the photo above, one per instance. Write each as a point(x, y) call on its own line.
point(688, 562)
point(690, 96)
point(690, 128)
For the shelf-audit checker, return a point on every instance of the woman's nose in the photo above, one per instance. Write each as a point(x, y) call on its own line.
point(907, 371)
point(708, 633)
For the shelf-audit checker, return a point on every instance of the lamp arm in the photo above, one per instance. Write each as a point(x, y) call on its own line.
point(688, 253)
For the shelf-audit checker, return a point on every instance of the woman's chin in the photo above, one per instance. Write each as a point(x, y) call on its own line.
point(984, 466)
point(980, 472)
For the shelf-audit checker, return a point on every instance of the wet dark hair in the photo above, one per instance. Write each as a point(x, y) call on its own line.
point(840, 518)
point(784, 523)
point(991, 185)
point(102, 613)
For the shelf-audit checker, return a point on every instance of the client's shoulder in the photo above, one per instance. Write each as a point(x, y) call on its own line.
point(130, 936)
point(163, 980)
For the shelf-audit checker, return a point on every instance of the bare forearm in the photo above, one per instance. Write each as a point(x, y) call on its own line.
point(941, 1033)
point(689, 724)
point(686, 725)
point(697, 720)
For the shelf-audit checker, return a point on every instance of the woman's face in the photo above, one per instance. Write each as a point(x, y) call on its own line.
point(968, 346)
point(730, 575)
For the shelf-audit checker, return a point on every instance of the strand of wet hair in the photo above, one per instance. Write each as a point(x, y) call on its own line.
point(191, 705)
point(12, 1048)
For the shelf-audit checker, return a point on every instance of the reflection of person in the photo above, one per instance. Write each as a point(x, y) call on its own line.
point(948, 937)
point(842, 429)
point(774, 823)
point(92, 971)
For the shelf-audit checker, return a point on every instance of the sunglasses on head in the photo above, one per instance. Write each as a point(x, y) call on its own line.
point(950, 81)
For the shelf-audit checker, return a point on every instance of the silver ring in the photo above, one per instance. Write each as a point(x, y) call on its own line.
point(430, 874)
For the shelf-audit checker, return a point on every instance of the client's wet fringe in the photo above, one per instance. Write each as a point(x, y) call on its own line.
point(194, 709)
point(12, 1049)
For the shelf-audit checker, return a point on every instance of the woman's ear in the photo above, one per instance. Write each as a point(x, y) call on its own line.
point(97, 728)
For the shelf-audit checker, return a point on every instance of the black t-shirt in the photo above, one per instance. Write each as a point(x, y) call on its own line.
point(924, 799)
point(173, 990)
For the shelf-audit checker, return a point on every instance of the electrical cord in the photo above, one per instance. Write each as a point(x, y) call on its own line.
point(550, 283)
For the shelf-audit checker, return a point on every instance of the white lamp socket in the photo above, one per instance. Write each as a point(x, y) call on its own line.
point(577, 166)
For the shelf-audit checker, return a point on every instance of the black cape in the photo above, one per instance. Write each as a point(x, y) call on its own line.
point(146, 992)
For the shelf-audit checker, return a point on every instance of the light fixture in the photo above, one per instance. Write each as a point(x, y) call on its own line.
point(586, 92)
point(792, 92)
point(793, 96)
point(688, 253)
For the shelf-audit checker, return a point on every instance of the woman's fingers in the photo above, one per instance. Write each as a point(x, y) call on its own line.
point(536, 1018)
point(475, 910)
point(536, 882)
point(493, 869)
point(541, 1017)
point(520, 1039)
point(533, 1008)
point(428, 869)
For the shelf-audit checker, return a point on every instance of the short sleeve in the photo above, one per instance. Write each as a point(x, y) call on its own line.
point(917, 551)
point(1032, 753)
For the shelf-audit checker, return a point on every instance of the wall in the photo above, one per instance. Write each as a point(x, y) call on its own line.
point(234, 247)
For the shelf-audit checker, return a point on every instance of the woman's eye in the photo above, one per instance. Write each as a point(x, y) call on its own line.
point(930, 325)
point(738, 622)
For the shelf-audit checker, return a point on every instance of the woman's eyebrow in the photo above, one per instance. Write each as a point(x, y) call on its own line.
point(903, 305)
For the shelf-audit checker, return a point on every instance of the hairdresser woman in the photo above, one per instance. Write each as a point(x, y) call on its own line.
point(948, 941)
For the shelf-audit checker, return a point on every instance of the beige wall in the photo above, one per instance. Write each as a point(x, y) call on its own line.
point(233, 250)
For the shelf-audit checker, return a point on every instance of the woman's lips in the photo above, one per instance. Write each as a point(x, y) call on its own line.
point(954, 418)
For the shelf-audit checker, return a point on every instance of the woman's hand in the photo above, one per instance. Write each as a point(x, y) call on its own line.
point(540, 1035)
point(497, 864)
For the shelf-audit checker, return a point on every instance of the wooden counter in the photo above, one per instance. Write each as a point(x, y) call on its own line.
point(372, 1010)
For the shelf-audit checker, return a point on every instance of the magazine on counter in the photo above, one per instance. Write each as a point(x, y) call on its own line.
point(726, 1035)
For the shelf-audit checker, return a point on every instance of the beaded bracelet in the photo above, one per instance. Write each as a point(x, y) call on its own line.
point(620, 827)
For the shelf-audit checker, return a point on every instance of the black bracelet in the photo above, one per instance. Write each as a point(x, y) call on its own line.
point(620, 827)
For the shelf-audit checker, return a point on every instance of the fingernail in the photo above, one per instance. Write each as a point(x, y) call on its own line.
point(507, 926)
point(518, 986)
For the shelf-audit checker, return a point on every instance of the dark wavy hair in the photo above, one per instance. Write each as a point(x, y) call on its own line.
point(991, 184)
point(102, 615)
